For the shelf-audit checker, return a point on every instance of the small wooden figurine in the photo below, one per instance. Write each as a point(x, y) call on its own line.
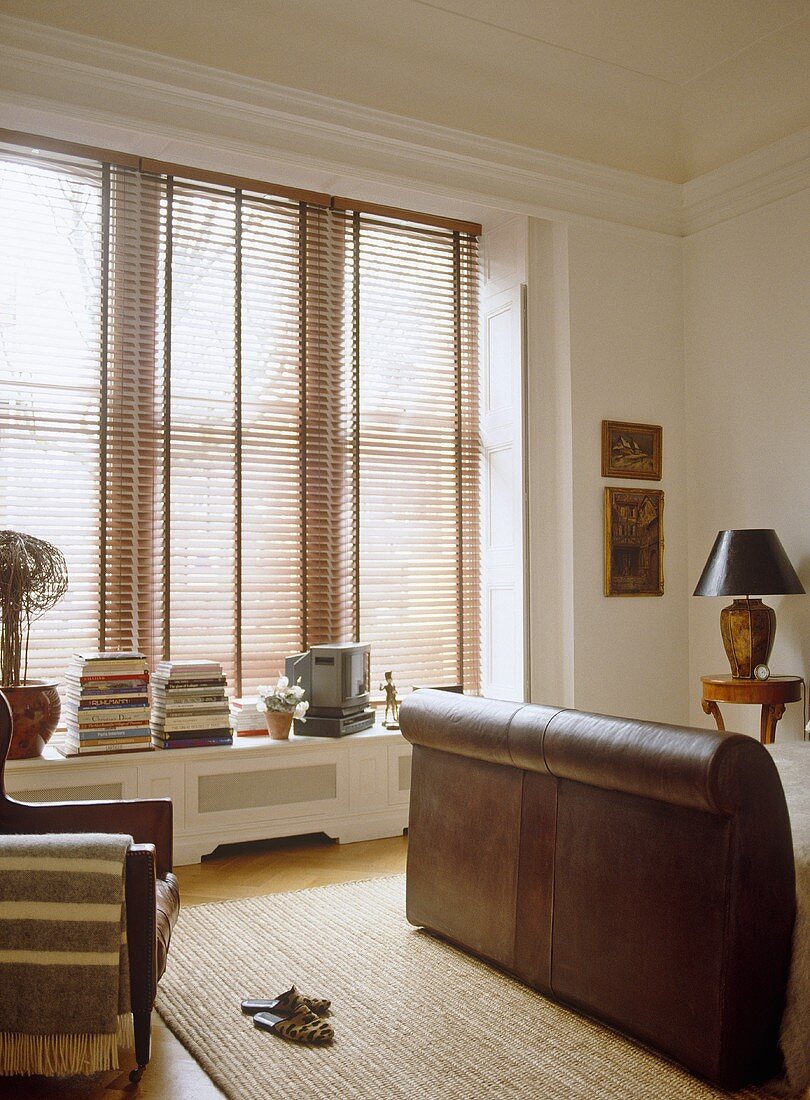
point(391, 702)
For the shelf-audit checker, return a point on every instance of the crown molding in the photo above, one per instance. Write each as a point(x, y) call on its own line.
point(78, 86)
point(754, 180)
point(86, 77)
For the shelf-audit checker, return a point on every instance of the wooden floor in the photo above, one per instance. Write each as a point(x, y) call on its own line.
point(240, 871)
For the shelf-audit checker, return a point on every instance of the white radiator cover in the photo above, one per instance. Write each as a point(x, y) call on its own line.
point(351, 788)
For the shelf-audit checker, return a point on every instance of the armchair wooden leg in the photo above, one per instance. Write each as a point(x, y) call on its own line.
point(142, 1021)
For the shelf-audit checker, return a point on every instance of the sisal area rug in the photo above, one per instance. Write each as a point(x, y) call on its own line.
point(413, 1017)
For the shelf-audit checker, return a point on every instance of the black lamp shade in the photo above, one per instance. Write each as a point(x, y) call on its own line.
point(745, 563)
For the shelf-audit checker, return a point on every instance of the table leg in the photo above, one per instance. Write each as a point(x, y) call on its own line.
point(771, 713)
point(710, 707)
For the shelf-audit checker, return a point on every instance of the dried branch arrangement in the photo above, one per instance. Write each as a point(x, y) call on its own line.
point(33, 577)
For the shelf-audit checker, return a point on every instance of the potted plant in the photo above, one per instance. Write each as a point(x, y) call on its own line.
point(280, 705)
point(33, 577)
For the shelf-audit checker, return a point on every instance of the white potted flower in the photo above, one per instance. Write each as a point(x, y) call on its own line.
point(280, 704)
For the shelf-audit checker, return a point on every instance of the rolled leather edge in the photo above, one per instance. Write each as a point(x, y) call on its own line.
point(674, 764)
point(463, 724)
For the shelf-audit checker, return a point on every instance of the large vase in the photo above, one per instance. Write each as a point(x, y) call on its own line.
point(748, 628)
point(35, 710)
point(278, 723)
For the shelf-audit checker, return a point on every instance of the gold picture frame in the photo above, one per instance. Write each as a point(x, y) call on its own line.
point(634, 542)
point(632, 450)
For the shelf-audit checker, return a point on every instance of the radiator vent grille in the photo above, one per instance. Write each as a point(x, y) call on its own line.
point(90, 792)
point(253, 790)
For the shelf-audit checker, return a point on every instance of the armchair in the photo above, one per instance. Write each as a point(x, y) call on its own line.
point(152, 896)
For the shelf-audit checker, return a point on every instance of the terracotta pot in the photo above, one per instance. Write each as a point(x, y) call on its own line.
point(35, 709)
point(279, 723)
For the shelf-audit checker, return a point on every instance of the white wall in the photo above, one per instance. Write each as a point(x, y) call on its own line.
point(747, 350)
point(605, 343)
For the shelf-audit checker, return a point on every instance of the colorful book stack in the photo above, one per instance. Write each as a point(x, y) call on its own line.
point(107, 705)
point(189, 705)
point(245, 720)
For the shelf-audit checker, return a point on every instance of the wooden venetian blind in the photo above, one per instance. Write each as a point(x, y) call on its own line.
point(415, 290)
point(51, 392)
point(231, 457)
point(248, 419)
point(132, 500)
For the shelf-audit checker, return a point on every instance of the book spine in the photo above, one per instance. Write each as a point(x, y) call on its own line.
point(178, 735)
point(101, 714)
point(191, 743)
point(71, 750)
point(189, 668)
point(106, 678)
point(111, 670)
point(109, 734)
point(108, 655)
point(104, 744)
point(210, 713)
point(189, 681)
point(193, 689)
point(192, 700)
point(107, 697)
point(202, 722)
point(107, 702)
point(110, 719)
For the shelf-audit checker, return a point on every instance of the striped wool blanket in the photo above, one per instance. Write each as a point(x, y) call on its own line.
point(64, 965)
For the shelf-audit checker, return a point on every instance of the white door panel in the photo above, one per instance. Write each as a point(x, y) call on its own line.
point(502, 341)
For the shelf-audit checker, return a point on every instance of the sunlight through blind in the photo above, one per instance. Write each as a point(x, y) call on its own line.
point(249, 422)
point(51, 218)
point(416, 364)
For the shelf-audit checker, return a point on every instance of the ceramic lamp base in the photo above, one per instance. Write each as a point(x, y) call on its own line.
point(748, 628)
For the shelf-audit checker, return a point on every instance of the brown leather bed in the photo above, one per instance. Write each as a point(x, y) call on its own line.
point(642, 873)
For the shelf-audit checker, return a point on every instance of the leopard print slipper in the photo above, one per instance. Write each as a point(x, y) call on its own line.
point(286, 1004)
point(303, 1027)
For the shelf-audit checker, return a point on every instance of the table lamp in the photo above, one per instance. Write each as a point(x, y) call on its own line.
point(742, 562)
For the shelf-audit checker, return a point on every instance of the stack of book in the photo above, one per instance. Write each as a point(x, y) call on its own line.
point(245, 720)
point(107, 704)
point(189, 705)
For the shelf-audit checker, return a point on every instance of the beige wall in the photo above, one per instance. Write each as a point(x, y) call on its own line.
point(747, 351)
point(606, 332)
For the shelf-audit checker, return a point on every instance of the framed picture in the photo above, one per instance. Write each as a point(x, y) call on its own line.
point(634, 542)
point(631, 450)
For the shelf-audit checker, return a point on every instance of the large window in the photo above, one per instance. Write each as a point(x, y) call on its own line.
point(249, 421)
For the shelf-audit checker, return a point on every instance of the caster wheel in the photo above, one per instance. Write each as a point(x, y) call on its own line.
point(136, 1074)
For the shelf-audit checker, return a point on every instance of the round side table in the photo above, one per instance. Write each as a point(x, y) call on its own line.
point(770, 694)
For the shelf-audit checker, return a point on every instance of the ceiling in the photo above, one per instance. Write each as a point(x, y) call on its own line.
point(665, 88)
point(670, 40)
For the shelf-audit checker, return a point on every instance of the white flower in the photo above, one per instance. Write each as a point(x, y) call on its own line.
point(283, 698)
point(300, 711)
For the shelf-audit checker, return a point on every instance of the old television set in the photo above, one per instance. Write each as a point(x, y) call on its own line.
point(335, 679)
